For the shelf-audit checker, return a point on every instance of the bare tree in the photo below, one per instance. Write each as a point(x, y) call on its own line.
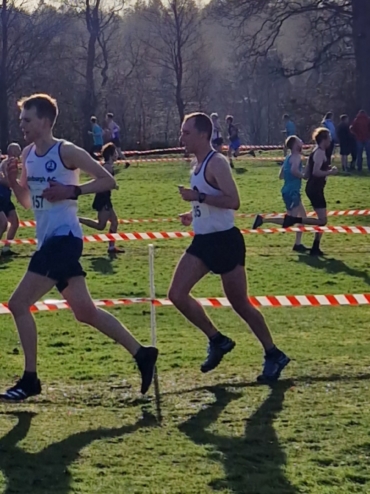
point(25, 38)
point(335, 30)
point(173, 40)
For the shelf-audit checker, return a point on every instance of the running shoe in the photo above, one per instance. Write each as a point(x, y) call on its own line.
point(146, 359)
point(216, 352)
point(258, 221)
point(273, 365)
point(23, 389)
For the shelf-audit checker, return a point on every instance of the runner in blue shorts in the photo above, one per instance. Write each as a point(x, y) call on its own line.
point(292, 173)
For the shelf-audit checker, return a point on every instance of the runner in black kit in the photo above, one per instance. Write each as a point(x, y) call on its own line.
point(318, 170)
point(103, 202)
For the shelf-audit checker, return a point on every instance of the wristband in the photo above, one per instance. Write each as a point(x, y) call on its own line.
point(202, 197)
point(76, 192)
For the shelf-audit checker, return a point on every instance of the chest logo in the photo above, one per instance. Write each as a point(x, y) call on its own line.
point(50, 166)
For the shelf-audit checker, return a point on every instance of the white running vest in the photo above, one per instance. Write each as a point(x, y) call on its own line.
point(57, 218)
point(208, 219)
point(216, 133)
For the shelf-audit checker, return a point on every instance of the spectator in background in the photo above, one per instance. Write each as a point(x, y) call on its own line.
point(97, 135)
point(345, 139)
point(361, 130)
point(217, 139)
point(289, 130)
point(114, 136)
point(328, 123)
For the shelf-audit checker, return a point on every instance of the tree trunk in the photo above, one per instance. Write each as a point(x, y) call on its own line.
point(361, 39)
point(4, 110)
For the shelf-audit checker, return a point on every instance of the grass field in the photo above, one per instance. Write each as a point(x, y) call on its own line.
point(91, 432)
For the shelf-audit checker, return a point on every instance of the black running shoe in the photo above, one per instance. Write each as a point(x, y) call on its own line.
point(273, 366)
point(146, 359)
point(316, 252)
point(300, 248)
point(127, 165)
point(216, 352)
point(24, 388)
point(258, 221)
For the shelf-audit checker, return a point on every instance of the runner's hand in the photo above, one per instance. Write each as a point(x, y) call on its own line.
point(58, 192)
point(186, 218)
point(188, 195)
point(10, 168)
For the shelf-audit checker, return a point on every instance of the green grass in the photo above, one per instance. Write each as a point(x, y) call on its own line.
point(90, 432)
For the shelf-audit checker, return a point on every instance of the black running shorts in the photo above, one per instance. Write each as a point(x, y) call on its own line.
point(102, 202)
point(59, 259)
point(218, 141)
point(221, 252)
point(316, 196)
point(6, 206)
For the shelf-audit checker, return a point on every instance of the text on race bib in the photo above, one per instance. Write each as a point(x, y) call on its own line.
point(39, 203)
point(200, 211)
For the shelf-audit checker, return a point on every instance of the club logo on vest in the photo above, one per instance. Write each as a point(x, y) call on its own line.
point(50, 166)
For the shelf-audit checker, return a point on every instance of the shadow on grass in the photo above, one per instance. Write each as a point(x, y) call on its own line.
point(240, 171)
point(47, 471)
point(333, 266)
point(103, 265)
point(302, 380)
point(5, 262)
point(255, 462)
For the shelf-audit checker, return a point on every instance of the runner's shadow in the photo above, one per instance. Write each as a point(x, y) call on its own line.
point(240, 171)
point(333, 266)
point(255, 462)
point(103, 265)
point(47, 470)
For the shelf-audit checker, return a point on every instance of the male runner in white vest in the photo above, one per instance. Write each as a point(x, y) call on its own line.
point(218, 247)
point(49, 185)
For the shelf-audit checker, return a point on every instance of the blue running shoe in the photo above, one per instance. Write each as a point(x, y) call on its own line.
point(273, 366)
point(216, 352)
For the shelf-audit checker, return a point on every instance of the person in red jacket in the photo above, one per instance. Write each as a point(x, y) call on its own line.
point(361, 130)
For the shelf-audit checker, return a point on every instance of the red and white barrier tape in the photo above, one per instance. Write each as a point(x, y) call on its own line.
point(346, 212)
point(168, 160)
point(181, 149)
point(106, 237)
point(262, 301)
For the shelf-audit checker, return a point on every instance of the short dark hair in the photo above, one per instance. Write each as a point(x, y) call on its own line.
point(320, 134)
point(329, 115)
point(343, 117)
point(110, 115)
point(93, 119)
point(286, 116)
point(108, 151)
point(289, 143)
point(202, 123)
point(45, 105)
point(229, 117)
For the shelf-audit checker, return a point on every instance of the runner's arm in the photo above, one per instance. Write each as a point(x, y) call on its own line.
point(220, 175)
point(295, 162)
point(281, 173)
point(102, 179)
point(20, 187)
point(318, 162)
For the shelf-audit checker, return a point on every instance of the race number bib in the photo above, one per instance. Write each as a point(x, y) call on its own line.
point(39, 203)
point(200, 211)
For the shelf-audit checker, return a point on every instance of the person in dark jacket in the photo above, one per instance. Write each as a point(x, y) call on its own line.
point(345, 139)
point(361, 129)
